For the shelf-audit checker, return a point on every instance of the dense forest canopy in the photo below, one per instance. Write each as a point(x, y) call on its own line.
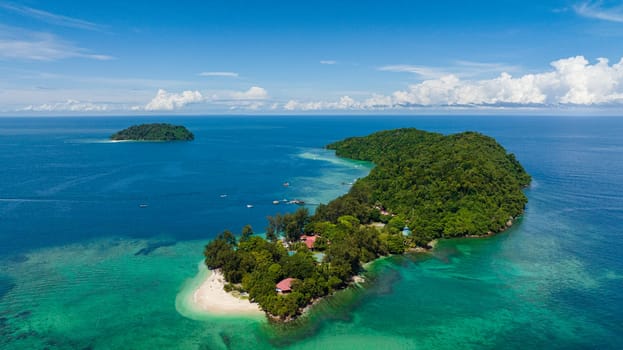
point(154, 132)
point(438, 186)
point(441, 186)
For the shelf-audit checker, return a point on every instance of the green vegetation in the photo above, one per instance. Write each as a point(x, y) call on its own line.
point(154, 132)
point(255, 265)
point(439, 186)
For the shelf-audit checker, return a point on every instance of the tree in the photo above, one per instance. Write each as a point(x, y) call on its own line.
point(301, 218)
point(275, 225)
point(229, 237)
point(300, 265)
point(218, 252)
point(394, 242)
point(294, 224)
point(397, 223)
point(270, 234)
point(247, 231)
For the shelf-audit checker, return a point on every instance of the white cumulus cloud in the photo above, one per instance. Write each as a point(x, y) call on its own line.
point(254, 93)
point(165, 101)
point(583, 83)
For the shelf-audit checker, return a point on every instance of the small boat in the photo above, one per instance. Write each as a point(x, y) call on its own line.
point(286, 184)
point(249, 205)
point(143, 205)
point(296, 201)
point(276, 202)
point(223, 196)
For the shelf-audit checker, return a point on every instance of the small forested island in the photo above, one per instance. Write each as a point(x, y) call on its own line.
point(154, 132)
point(424, 186)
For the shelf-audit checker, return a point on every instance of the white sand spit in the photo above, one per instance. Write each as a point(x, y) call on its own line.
point(212, 298)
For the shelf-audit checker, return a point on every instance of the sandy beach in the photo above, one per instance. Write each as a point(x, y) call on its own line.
point(212, 298)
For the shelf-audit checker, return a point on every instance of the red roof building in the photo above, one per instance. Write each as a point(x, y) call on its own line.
point(309, 241)
point(284, 286)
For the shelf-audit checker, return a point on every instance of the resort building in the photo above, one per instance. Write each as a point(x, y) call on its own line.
point(309, 241)
point(285, 285)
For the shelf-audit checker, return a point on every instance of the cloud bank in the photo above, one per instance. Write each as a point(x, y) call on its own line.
point(570, 82)
point(68, 106)
point(166, 101)
point(573, 81)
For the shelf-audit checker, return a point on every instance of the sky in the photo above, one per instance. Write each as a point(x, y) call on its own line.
point(288, 57)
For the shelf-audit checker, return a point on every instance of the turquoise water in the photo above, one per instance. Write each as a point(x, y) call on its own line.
point(83, 266)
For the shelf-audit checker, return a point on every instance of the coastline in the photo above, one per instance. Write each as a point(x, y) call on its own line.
point(204, 296)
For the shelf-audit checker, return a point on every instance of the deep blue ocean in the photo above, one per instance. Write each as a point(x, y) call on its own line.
point(74, 206)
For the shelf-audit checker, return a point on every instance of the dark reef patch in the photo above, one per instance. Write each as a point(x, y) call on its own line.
point(151, 247)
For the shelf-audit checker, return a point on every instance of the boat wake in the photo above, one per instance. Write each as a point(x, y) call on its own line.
point(88, 141)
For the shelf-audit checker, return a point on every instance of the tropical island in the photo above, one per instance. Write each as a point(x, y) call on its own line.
point(154, 132)
point(424, 186)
